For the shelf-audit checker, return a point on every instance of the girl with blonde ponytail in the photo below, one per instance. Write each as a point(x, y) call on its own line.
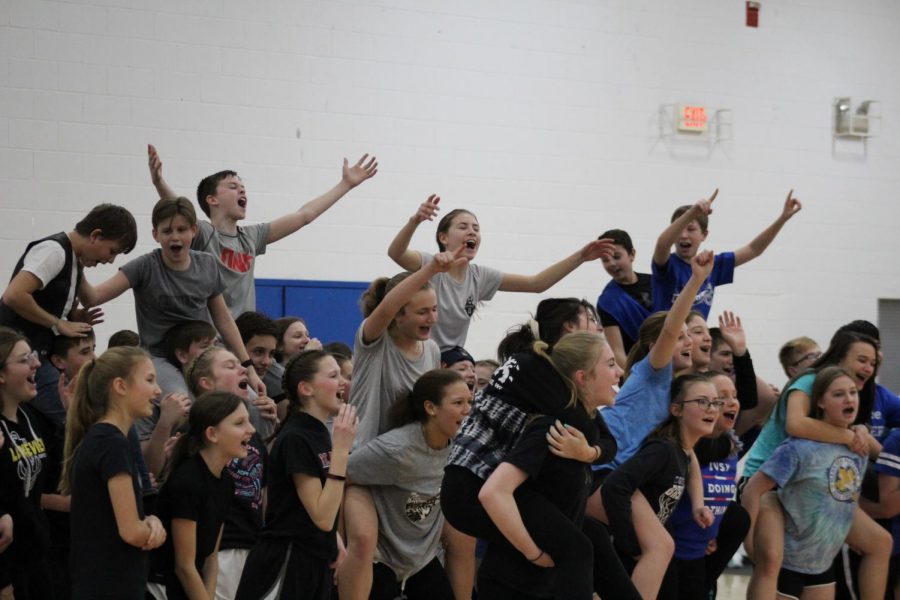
point(110, 534)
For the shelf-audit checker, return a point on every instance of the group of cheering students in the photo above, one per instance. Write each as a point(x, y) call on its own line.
point(220, 454)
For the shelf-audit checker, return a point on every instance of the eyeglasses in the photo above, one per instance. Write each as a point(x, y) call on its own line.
point(706, 404)
point(808, 357)
point(31, 358)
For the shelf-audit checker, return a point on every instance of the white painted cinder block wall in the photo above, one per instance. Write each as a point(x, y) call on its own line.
point(538, 115)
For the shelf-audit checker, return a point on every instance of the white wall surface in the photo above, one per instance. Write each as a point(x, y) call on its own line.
point(538, 115)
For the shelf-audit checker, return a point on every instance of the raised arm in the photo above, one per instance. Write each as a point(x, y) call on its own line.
point(670, 234)
point(102, 293)
point(226, 327)
point(496, 495)
point(744, 375)
point(377, 323)
point(156, 176)
point(399, 250)
point(799, 424)
point(323, 501)
point(309, 212)
point(19, 296)
point(552, 274)
point(613, 335)
point(661, 352)
point(745, 254)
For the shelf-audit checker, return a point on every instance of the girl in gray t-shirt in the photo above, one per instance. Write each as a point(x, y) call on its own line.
point(393, 348)
point(461, 289)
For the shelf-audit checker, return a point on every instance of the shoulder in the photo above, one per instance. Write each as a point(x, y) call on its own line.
point(803, 383)
point(202, 260)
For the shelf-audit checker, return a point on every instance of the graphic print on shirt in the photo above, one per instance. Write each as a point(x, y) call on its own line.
point(247, 474)
point(470, 305)
point(504, 373)
point(704, 296)
point(843, 479)
point(236, 261)
point(419, 507)
point(27, 456)
point(668, 500)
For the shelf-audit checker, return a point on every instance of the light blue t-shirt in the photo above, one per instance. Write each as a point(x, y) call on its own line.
point(641, 405)
point(773, 432)
point(819, 488)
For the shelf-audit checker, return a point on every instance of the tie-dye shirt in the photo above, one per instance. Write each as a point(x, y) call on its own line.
point(819, 488)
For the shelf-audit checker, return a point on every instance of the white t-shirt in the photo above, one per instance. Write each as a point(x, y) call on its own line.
point(45, 261)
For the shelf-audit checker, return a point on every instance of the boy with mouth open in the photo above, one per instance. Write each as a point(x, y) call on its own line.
point(223, 198)
point(687, 231)
point(174, 283)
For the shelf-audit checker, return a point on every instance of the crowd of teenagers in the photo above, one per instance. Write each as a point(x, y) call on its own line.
point(217, 453)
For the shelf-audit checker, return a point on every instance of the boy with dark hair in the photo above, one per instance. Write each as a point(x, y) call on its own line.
point(689, 228)
point(123, 337)
point(174, 283)
point(47, 283)
point(223, 199)
point(626, 300)
point(69, 354)
point(260, 336)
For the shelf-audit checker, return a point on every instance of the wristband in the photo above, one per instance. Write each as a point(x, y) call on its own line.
point(53, 327)
point(247, 363)
point(599, 453)
point(336, 477)
point(538, 557)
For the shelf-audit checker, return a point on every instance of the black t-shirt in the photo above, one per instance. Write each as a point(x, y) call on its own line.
point(245, 515)
point(640, 290)
point(54, 436)
point(659, 471)
point(193, 493)
point(565, 483)
point(529, 382)
point(23, 464)
point(104, 566)
point(302, 446)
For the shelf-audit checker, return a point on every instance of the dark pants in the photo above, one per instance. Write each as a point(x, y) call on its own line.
point(31, 581)
point(692, 579)
point(611, 580)
point(429, 583)
point(551, 530)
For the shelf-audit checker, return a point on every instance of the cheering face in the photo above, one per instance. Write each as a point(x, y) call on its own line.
point(697, 410)
point(600, 384)
point(233, 433)
point(840, 402)
point(17, 376)
point(860, 361)
point(464, 231)
point(688, 243)
point(455, 404)
point(174, 237)
point(701, 342)
point(416, 319)
point(726, 393)
point(681, 355)
point(620, 265)
point(721, 358)
point(230, 197)
point(141, 389)
point(483, 376)
point(295, 338)
point(327, 386)
point(229, 375)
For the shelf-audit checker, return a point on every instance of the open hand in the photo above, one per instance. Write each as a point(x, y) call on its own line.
point(91, 316)
point(732, 332)
point(568, 442)
point(598, 249)
point(428, 210)
point(155, 164)
point(361, 171)
point(72, 328)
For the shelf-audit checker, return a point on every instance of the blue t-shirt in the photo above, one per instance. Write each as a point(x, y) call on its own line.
point(624, 308)
point(819, 487)
point(885, 412)
point(888, 463)
point(669, 280)
point(773, 432)
point(641, 405)
point(718, 491)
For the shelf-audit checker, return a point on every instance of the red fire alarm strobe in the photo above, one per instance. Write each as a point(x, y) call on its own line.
point(752, 14)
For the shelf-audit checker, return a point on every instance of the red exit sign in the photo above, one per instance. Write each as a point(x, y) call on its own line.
point(691, 118)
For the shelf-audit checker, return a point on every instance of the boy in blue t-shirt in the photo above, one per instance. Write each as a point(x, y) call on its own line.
point(687, 231)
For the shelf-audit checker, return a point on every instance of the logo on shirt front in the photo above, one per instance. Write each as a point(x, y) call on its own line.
point(418, 508)
point(470, 306)
point(844, 480)
point(704, 296)
point(668, 500)
point(236, 261)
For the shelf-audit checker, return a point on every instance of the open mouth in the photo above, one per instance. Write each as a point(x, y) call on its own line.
point(710, 420)
point(849, 411)
point(31, 379)
point(686, 354)
point(242, 202)
point(470, 244)
point(243, 384)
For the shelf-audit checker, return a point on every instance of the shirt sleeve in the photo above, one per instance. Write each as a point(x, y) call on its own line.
point(783, 464)
point(652, 460)
point(532, 449)
point(203, 237)
point(606, 319)
point(889, 460)
point(299, 457)
point(745, 382)
point(136, 271)
point(723, 269)
point(258, 234)
point(376, 463)
point(45, 261)
point(187, 501)
point(115, 458)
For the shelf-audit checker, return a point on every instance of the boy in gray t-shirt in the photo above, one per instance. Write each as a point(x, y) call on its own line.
point(174, 284)
point(223, 198)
